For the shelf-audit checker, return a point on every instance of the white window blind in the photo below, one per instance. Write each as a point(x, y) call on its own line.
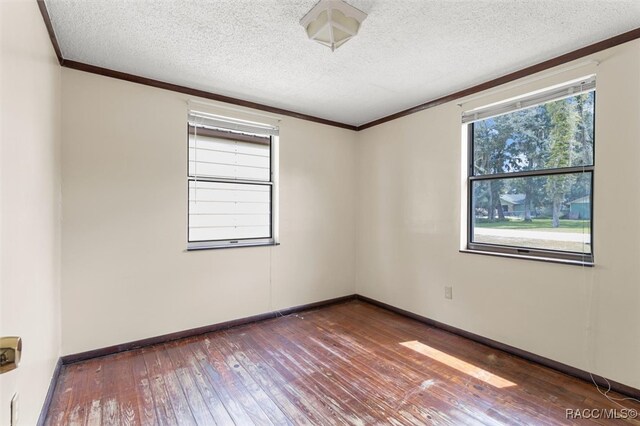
point(223, 211)
point(229, 124)
point(228, 159)
point(564, 91)
point(230, 183)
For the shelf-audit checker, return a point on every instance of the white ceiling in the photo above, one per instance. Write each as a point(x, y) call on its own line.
point(407, 51)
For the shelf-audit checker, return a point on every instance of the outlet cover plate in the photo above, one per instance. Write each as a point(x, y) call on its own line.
point(448, 293)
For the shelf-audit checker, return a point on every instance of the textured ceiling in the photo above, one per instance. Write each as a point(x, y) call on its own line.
point(407, 51)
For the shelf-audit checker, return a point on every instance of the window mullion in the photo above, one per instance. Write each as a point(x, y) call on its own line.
point(527, 173)
point(222, 180)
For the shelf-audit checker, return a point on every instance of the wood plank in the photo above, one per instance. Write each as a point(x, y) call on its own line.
point(94, 392)
point(345, 364)
point(523, 414)
point(378, 394)
point(75, 411)
point(216, 376)
point(110, 405)
point(390, 373)
point(354, 404)
point(91, 390)
point(225, 377)
point(126, 396)
point(305, 392)
point(197, 404)
point(181, 408)
point(211, 396)
point(268, 406)
point(162, 402)
point(516, 403)
point(274, 385)
point(146, 404)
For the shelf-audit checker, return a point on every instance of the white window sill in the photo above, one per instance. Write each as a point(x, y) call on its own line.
point(229, 246)
point(525, 257)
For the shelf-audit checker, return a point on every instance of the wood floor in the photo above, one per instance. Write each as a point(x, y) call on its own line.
point(351, 363)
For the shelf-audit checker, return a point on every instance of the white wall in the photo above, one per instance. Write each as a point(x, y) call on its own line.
point(125, 270)
point(30, 204)
point(409, 227)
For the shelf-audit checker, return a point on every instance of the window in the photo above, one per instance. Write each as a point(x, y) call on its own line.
point(530, 176)
point(231, 182)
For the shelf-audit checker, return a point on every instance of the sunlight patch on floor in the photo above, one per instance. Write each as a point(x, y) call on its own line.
point(458, 364)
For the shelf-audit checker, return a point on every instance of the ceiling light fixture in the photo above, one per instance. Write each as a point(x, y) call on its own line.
point(332, 22)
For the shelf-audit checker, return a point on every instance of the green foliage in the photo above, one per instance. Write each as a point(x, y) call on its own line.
point(563, 119)
point(553, 135)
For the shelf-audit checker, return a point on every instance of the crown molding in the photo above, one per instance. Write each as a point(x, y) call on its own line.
point(507, 78)
point(80, 66)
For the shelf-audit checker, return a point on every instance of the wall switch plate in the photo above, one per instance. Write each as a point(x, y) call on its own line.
point(448, 292)
point(14, 410)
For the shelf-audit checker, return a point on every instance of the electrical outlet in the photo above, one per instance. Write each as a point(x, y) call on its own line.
point(448, 292)
point(14, 410)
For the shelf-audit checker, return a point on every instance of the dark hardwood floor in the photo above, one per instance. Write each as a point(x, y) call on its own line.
point(350, 363)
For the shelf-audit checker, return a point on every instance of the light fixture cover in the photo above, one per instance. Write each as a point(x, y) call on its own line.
point(332, 22)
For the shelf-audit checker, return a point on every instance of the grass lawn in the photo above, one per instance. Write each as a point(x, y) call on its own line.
point(566, 225)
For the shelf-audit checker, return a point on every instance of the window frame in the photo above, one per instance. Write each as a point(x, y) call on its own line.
point(271, 183)
point(549, 255)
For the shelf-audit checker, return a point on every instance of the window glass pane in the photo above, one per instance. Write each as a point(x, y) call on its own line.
point(553, 135)
point(224, 211)
point(550, 212)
